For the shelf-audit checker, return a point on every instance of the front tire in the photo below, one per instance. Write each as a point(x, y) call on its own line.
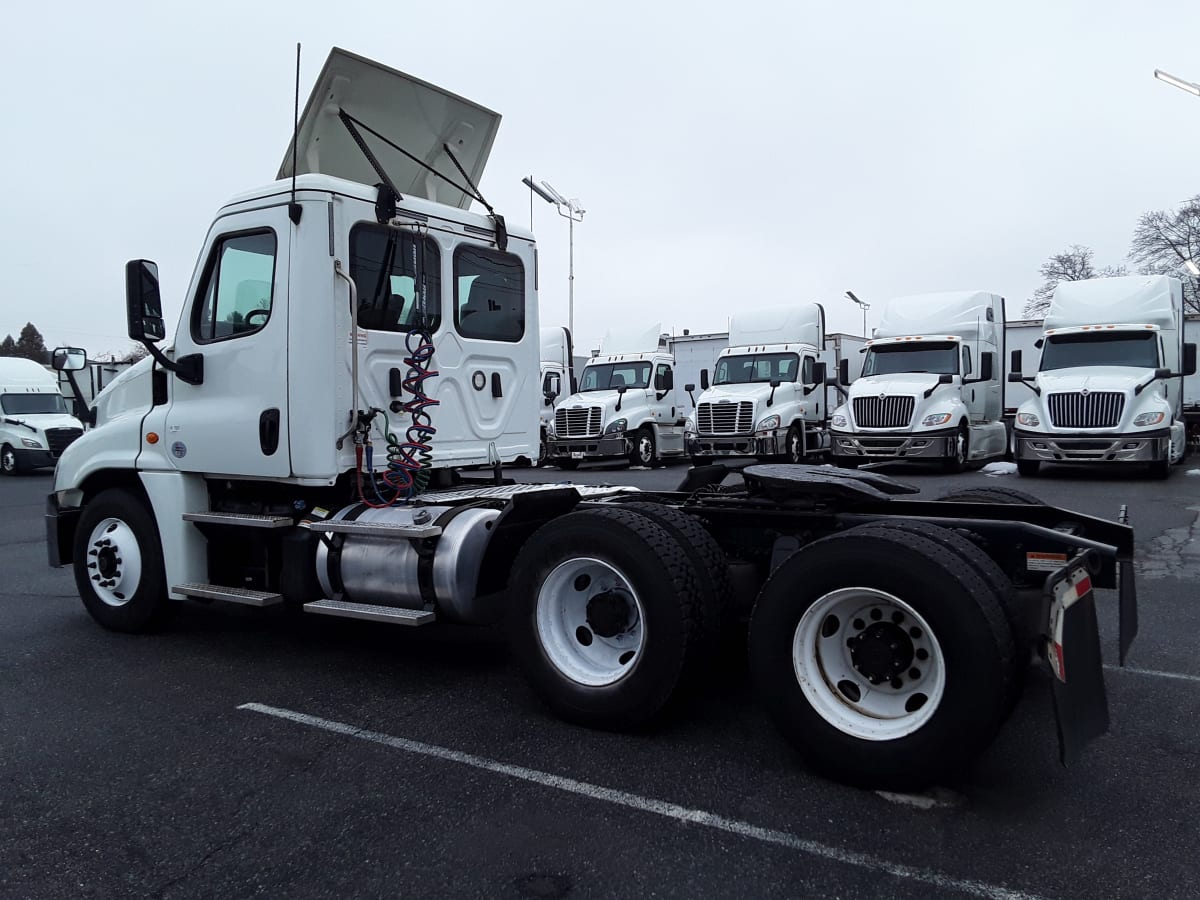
point(883, 656)
point(119, 563)
point(642, 451)
point(962, 449)
point(1028, 468)
point(9, 463)
point(793, 446)
point(604, 616)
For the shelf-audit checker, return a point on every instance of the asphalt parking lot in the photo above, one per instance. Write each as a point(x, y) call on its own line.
point(248, 753)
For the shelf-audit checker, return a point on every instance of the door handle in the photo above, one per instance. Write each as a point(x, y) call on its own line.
point(268, 431)
point(497, 388)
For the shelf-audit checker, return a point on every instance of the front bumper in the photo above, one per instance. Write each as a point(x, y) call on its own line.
point(770, 443)
point(34, 459)
point(1151, 446)
point(60, 532)
point(588, 447)
point(896, 445)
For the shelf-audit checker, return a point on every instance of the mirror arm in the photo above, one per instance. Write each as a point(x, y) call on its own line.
point(188, 368)
point(84, 413)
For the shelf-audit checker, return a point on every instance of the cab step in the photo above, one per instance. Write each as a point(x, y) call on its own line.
point(230, 594)
point(371, 612)
point(244, 520)
point(378, 529)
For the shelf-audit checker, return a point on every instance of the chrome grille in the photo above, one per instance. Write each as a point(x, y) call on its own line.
point(725, 418)
point(60, 438)
point(883, 412)
point(1099, 409)
point(575, 423)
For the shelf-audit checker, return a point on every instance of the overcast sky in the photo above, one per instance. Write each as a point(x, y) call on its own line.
point(728, 154)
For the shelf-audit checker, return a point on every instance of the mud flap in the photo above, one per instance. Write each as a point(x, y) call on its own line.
point(1072, 649)
point(1127, 599)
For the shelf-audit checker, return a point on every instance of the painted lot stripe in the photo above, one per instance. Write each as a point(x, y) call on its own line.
point(1154, 673)
point(649, 805)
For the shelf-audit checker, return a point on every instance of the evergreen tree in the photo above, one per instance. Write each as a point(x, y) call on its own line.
point(8, 347)
point(31, 345)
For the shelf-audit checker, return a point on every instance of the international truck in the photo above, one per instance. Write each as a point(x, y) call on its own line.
point(767, 396)
point(35, 424)
point(624, 407)
point(1109, 383)
point(558, 381)
point(358, 303)
point(931, 386)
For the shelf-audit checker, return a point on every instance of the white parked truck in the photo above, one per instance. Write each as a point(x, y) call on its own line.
point(558, 380)
point(625, 406)
point(930, 387)
point(1109, 383)
point(364, 304)
point(767, 397)
point(35, 424)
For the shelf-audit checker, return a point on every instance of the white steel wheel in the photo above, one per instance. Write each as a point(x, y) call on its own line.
point(590, 621)
point(114, 561)
point(868, 664)
point(8, 460)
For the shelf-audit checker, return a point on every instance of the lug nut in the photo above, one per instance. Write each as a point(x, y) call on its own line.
point(914, 673)
point(922, 653)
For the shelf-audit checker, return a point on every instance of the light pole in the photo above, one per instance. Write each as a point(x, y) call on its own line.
point(572, 212)
point(1190, 86)
point(865, 306)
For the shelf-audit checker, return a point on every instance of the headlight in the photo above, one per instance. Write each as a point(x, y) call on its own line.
point(617, 427)
point(838, 421)
point(770, 423)
point(936, 419)
point(1028, 419)
point(1150, 418)
point(31, 443)
point(689, 427)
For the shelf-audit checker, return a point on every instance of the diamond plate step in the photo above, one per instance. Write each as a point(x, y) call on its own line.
point(246, 520)
point(379, 529)
point(230, 594)
point(371, 612)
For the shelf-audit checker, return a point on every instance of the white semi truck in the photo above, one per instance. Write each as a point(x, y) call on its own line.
point(362, 304)
point(625, 405)
point(1109, 383)
point(931, 385)
point(767, 397)
point(35, 424)
point(558, 381)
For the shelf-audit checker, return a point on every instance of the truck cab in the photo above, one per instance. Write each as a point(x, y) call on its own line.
point(1108, 387)
point(767, 395)
point(930, 387)
point(35, 424)
point(557, 379)
point(624, 407)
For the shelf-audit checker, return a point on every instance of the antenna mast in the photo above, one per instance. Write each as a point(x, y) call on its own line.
point(294, 208)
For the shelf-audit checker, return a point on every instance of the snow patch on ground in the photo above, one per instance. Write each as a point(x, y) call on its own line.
point(1193, 471)
point(999, 468)
point(934, 798)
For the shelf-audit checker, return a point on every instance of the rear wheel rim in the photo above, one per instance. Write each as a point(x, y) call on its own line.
point(590, 622)
point(868, 664)
point(114, 562)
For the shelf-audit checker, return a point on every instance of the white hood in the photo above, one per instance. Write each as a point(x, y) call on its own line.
point(1093, 378)
point(43, 421)
point(906, 383)
point(736, 392)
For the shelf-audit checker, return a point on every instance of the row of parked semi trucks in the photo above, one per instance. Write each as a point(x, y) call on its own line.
point(1109, 376)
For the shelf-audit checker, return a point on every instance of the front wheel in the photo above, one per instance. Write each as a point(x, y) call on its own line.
point(957, 461)
point(9, 464)
point(883, 656)
point(793, 446)
point(642, 451)
point(119, 564)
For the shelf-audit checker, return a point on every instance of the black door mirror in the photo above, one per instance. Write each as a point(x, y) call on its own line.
point(660, 381)
point(68, 359)
point(1014, 366)
point(143, 302)
point(819, 373)
point(669, 380)
point(621, 388)
point(844, 372)
point(1189, 359)
point(985, 366)
point(704, 379)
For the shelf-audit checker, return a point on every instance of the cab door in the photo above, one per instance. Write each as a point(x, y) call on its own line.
point(236, 421)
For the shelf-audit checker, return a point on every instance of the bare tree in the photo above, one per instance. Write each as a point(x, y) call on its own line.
point(1073, 264)
point(1164, 240)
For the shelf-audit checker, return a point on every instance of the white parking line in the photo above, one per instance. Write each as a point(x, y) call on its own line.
point(649, 805)
point(1154, 673)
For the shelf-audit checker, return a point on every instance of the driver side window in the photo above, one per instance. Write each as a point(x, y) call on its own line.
point(237, 287)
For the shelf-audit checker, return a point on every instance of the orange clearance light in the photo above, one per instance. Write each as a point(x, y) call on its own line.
point(151, 437)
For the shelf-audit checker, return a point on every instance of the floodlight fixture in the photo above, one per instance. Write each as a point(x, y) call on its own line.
point(557, 197)
point(1190, 86)
point(864, 306)
point(528, 182)
point(572, 211)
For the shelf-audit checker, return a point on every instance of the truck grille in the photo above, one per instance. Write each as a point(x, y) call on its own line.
point(572, 423)
point(60, 438)
point(725, 418)
point(1101, 409)
point(883, 412)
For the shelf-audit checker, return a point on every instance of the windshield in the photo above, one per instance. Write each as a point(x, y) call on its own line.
point(610, 376)
point(1136, 349)
point(898, 359)
point(761, 367)
point(32, 404)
